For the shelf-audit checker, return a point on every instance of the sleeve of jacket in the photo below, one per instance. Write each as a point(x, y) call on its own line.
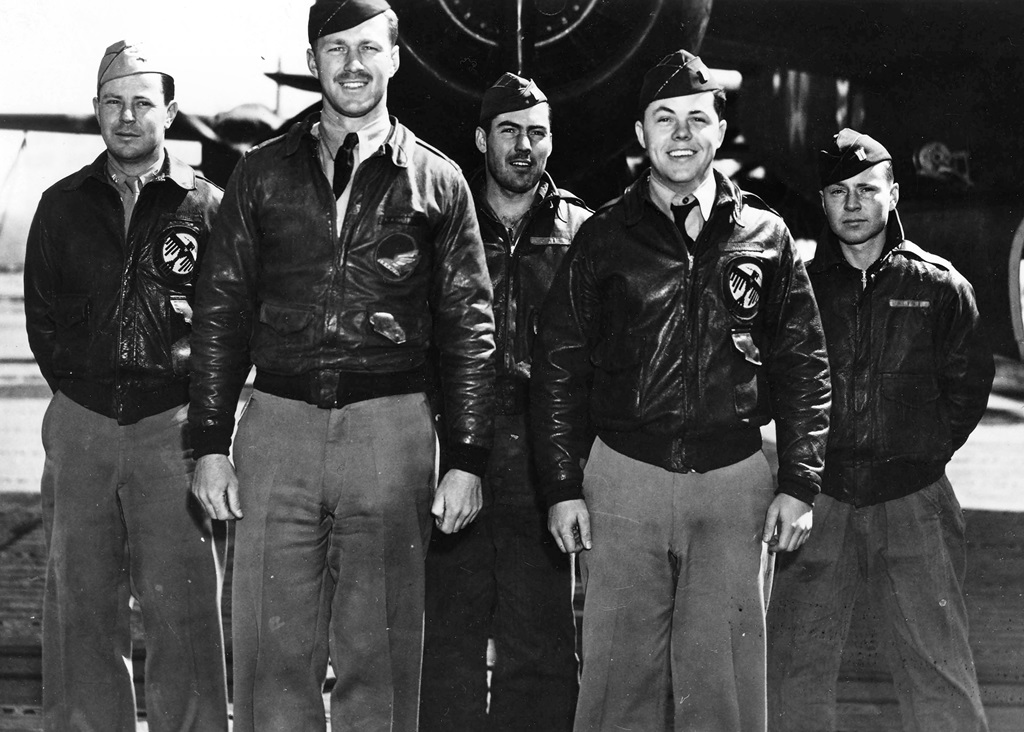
point(798, 373)
point(39, 297)
point(464, 331)
point(222, 321)
point(562, 375)
point(967, 369)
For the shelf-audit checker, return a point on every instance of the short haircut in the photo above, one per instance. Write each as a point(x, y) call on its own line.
point(890, 176)
point(719, 102)
point(487, 123)
point(168, 86)
point(392, 19)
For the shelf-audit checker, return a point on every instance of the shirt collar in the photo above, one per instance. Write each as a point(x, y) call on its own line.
point(665, 198)
point(116, 175)
point(371, 137)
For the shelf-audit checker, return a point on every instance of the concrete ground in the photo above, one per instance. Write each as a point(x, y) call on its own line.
point(987, 473)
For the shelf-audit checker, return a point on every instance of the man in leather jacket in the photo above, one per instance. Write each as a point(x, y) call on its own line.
point(110, 269)
point(911, 374)
point(344, 251)
point(503, 577)
point(675, 335)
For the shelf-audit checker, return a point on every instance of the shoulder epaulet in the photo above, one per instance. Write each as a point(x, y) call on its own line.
point(430, 148)
point(570, 197)
point(608, 204)
point(266, 143)
point(911, 249)
point(755, 201)
point(200, 176)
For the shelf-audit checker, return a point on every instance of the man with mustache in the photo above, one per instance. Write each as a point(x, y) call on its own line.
point(110, 272)
point(679, 323)
point(503, 577)
point(911, 373)
point(346, 250)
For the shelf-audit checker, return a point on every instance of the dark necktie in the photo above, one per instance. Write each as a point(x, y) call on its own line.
point(133, 186)
point(679, 214)
point(343, 163)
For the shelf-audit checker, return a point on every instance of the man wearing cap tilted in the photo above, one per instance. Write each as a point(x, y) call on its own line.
point(911, 373)
point(345, 250)
point(503, 577)
point(110, 269)
point(679, 323)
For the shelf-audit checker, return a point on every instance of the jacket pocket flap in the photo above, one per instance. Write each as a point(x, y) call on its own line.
point(284, 319)
point(71, 310)
point(909, 390)
point(744, 343)
point(550, 241)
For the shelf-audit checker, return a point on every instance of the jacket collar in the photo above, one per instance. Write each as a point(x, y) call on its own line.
point(546, 192)
point(637, 198)
point(829, 252)
point(173, 170)
point(396, 146)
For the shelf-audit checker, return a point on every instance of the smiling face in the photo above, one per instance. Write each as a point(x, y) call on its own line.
point(133, 119)
point(681, 136)
point(517, 147)
point(858, 208)
point(354, 67)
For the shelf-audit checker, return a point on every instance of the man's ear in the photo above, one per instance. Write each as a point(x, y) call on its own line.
point(481, 139)
point(172, 112)
point(894, 196)
point(639, 127)
point(311, 63)
point(96, 107)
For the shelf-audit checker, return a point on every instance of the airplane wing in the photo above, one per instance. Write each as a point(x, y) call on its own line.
point(185, 127)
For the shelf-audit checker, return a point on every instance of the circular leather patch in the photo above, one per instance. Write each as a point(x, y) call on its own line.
point(177, 251)
point(742, 282)
point(397, 256)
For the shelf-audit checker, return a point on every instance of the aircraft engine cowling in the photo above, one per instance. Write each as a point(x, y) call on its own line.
point(589, 57)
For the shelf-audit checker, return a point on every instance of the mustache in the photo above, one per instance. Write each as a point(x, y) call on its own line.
point(342, 78)
point(519, 158)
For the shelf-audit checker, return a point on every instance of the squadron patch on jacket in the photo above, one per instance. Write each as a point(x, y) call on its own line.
point(177, 251)
point(397, 256)
point(742, 281)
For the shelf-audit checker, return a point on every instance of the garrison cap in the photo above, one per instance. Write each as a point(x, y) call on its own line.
point(678, 74)
point(126, 59)
point(851, 153)
point(331, 16)
point(510, 93)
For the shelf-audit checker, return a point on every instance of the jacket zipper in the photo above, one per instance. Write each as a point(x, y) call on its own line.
point(510, 243)
point(692, 359)
point(126, 274)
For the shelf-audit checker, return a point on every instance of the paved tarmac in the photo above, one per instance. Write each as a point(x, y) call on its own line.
point(987, 473)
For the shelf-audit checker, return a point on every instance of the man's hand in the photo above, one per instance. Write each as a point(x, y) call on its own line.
point(216, 487)
point(569, 523)
point(457, 501)
point(788, 524)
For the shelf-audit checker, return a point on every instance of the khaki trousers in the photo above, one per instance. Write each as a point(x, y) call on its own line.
point(673, 623)
point(908, 555)
point(120, 522)
point(329, 562)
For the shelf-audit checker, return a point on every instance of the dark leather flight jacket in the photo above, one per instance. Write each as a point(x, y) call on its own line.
point(676, 358)
point(321, 315)
point(911, 371)
point(521, 272)
point(108, 315)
